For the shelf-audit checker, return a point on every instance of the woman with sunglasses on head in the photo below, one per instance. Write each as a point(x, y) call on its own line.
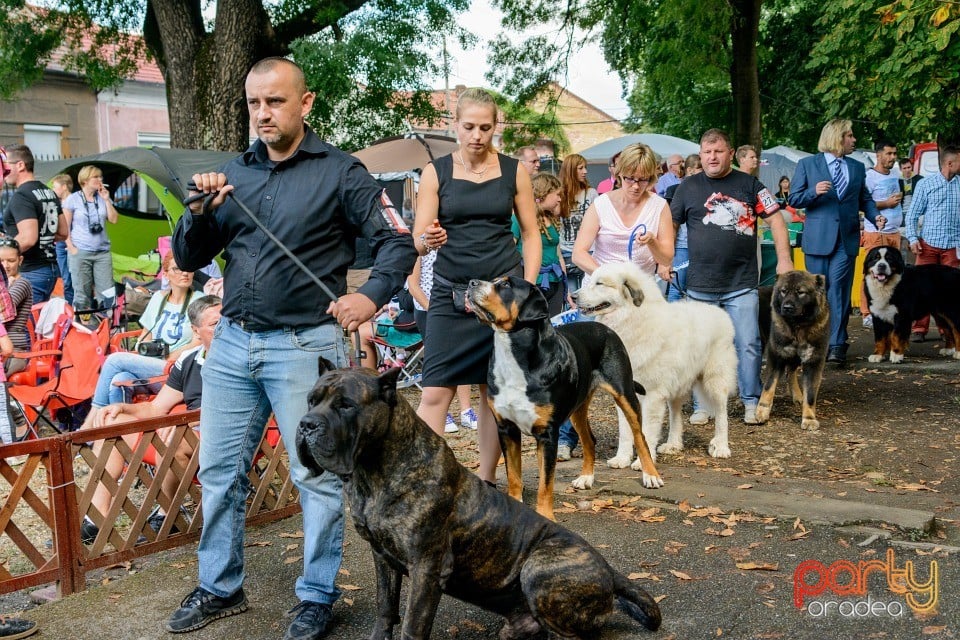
point(166, 328)
point(612, 223)
point(21, 293)
point(87, 213)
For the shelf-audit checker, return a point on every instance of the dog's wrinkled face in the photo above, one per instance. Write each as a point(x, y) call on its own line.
point(346, 410)
point(608, 290)
point(883, 264)
point(799, 295)
point(507, 302)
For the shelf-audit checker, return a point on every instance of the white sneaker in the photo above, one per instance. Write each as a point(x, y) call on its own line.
point(868, 321)
point(450, 426)
point(750, 415)
point(700, 417)
point(469, 419)
point(563, 452)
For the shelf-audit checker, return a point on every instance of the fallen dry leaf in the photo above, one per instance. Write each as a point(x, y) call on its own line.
point(680, 575)
point(259, 543)
point(348, 601)
point(344, 572)
point(349, 587)
point(931, 630)
point(642, 575)
point(659, 599)
point(292, 559)
point(292, 546)
point(745, 486)
point(298, 534)
point(758, 566)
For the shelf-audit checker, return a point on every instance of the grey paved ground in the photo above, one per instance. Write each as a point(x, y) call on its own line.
point(682, 552)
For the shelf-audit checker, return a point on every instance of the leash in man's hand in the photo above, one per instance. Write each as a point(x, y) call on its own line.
point(208, 198)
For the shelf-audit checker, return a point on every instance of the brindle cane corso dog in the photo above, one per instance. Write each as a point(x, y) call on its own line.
point(427, 517)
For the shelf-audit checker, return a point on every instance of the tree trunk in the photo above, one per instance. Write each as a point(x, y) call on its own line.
point(744, 81)
point(204, 73)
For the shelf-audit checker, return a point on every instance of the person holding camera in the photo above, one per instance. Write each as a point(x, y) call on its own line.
point(166, 334)
point(87, 212)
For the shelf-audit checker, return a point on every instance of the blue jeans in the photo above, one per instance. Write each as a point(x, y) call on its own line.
point(41, 281)
point(681, 256)
point(123, 367)
point(743, 307)
point(61, 248)
point(246, 376)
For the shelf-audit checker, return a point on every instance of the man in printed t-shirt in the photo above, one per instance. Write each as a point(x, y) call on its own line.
point(720, 208)
point(33, 217)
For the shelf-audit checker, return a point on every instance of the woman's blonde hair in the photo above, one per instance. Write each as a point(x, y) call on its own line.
point(638, 156)
point(543, 185)
point(831, 136)
point(480, 98)
point(87, 172)
point(573, 186)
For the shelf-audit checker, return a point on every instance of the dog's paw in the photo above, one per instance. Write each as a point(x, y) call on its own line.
point(875, 358)
point(667, 449)
point(619, 462)
point(583, 482)
point(652, 482)
point(950, 352)
point(810, 424)
point(719, 448)
point(763, 414)
point(896, 358)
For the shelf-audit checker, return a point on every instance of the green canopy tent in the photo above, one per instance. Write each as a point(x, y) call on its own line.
point(146, 184)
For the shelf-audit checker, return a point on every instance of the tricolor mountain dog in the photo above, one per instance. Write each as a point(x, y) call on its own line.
point(540, 375)
point(899, 294)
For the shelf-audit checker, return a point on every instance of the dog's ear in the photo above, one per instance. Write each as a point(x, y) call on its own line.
point(387, 382)
point(324, 365)
point(632, 290)
point(821, 281)
point(535, 307)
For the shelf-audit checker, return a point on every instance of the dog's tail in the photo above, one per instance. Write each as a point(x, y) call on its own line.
point(636, 603)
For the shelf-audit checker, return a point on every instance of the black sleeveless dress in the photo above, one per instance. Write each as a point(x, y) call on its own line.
point(479, 245)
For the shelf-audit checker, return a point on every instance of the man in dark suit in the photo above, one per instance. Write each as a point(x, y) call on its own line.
point(832, 189)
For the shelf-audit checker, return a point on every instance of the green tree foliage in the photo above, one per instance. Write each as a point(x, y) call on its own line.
point(897, 65)
point(367, 59)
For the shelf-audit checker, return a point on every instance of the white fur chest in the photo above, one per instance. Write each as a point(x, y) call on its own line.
point(511, 401)
point(880, 300)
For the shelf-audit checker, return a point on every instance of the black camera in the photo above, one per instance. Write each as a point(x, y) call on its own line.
point(154, 349)
point(95, 227)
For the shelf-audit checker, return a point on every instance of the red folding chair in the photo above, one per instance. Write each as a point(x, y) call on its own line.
point(73, 382)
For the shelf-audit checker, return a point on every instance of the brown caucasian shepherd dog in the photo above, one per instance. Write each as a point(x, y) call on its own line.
point(799, 336)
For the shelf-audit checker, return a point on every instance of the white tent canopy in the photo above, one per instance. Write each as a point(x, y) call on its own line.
point(661, 144)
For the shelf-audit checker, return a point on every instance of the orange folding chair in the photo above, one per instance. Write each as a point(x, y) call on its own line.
point(72, 383)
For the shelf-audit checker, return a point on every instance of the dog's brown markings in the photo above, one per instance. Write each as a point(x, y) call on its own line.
point(881, 346)
point(581, 424)
point(545, 484)
point(897, 345)
point(498, 313)
point(634, 420)
point(544, 414)
point(511, 455)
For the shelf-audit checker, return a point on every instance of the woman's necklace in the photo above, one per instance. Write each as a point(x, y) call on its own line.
point(480, 173)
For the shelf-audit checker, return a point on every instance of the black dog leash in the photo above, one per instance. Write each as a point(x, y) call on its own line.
point(208, 198)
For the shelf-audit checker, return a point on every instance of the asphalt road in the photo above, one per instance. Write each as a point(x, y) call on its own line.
point(715, 576)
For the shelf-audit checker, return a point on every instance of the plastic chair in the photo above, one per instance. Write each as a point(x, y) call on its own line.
point(73, 382)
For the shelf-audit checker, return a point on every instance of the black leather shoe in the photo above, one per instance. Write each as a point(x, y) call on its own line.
point(836, 355)
point(311, 621)
point(201, 607)
point(88, 533)
point(14, 628)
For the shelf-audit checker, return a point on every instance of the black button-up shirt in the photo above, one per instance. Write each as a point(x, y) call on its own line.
point(316, 202)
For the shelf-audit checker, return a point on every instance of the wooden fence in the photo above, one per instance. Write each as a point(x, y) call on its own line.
point(47, 496)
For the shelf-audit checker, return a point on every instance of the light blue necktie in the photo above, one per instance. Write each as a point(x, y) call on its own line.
point(839, 180)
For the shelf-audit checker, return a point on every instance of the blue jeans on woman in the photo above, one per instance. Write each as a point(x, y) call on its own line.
point(64, 269)
point(124, 367)
point(246, 376)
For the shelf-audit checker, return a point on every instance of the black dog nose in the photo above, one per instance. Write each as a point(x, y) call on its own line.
point(310, 423)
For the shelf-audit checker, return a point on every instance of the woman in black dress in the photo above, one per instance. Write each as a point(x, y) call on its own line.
point(464, 209)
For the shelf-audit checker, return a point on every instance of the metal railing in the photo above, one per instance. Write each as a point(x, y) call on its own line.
point(45, 499)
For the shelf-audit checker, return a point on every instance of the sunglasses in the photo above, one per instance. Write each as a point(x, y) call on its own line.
point(7, 241)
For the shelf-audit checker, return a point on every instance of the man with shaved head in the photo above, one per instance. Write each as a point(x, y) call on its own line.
point(275, 324)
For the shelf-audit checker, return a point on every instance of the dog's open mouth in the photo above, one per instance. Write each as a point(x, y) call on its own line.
point(591, 311)
point(879, 277)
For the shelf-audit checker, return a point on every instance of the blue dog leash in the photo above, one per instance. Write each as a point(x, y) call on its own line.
point(640, 229)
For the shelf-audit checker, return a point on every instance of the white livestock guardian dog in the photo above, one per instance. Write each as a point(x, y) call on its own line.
point(674, 347)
